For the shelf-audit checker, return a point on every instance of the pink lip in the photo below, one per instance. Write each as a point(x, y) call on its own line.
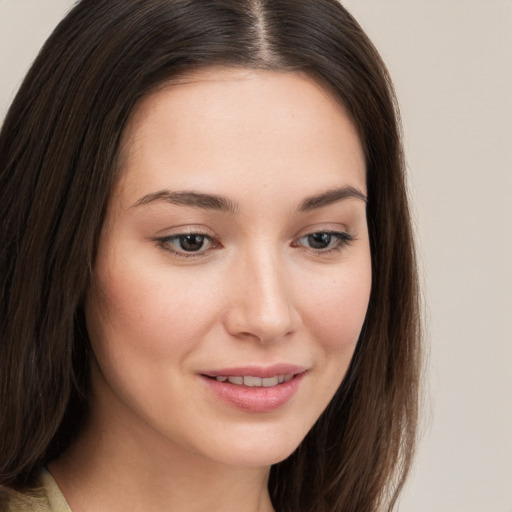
point(257, 371)
point(255, 399)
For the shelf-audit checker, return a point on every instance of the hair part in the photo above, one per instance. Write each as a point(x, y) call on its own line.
point(59, 147)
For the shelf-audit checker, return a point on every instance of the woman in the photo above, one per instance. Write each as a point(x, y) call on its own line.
point(209, 297)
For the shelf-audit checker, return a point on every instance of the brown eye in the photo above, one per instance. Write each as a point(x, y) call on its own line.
point(191, 243)
point(187, 244)
point(319, 240)
point(324, 241)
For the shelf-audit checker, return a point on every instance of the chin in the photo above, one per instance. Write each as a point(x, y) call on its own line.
point(260, 450)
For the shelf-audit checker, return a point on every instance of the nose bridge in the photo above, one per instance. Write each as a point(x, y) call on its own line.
point(264, 304)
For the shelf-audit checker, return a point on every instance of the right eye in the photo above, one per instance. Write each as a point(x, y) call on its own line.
point(187, 244)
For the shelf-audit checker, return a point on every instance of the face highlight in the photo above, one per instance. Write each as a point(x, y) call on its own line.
point(233, 272)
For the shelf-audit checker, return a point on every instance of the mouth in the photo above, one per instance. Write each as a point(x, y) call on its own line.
point(254, 382)
point(256, 389)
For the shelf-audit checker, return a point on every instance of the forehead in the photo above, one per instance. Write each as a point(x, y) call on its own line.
point(220, 125)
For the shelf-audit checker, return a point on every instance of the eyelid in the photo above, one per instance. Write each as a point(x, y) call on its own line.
point(185, 229)
point(328, 227)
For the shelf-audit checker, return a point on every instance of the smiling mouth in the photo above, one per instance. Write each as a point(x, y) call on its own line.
point(256, 389)
point(254, 382)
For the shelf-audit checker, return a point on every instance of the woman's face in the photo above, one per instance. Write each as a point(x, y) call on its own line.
point(233, 272)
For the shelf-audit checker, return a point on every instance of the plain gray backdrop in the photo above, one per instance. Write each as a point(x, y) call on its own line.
point(451, 61)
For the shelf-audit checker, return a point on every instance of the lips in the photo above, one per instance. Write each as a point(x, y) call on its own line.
point(261, 372)
point(255, 389)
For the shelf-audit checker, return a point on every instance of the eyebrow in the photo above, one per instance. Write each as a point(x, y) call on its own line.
point(329, 197)
point(224, 204)
point(194, 199)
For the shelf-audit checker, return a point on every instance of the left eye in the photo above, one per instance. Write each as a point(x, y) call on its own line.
point(325, 240)
point(187, 243)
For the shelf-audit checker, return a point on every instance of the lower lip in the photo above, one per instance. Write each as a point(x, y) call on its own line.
point(255, 399)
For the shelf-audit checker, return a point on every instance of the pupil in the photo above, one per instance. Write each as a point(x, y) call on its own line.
point(319, 240)
point(191, 242)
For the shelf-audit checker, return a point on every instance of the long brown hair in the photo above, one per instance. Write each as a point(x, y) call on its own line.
point(58, 149)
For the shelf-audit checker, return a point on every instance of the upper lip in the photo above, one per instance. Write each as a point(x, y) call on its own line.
point(256, 371)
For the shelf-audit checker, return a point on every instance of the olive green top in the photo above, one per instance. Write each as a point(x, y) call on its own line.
point(45, 496)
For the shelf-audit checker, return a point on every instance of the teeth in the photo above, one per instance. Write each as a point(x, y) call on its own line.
point(269, 382)
point(255, 382)
point(252, 382)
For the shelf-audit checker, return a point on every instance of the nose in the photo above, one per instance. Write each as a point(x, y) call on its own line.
point(262, 305)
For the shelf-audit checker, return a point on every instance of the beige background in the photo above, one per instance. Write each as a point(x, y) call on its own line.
point(452, 64)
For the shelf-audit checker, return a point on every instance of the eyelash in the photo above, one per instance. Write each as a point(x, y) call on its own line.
point(341, 240)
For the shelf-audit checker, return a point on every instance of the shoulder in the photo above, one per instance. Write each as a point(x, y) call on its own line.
point(44, 496)
point(30, 500)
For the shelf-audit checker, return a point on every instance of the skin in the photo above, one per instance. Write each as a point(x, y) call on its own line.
point(256, 293)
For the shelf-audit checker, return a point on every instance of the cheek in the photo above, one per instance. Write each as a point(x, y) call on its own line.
point(335, 309)
point(147, 311)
